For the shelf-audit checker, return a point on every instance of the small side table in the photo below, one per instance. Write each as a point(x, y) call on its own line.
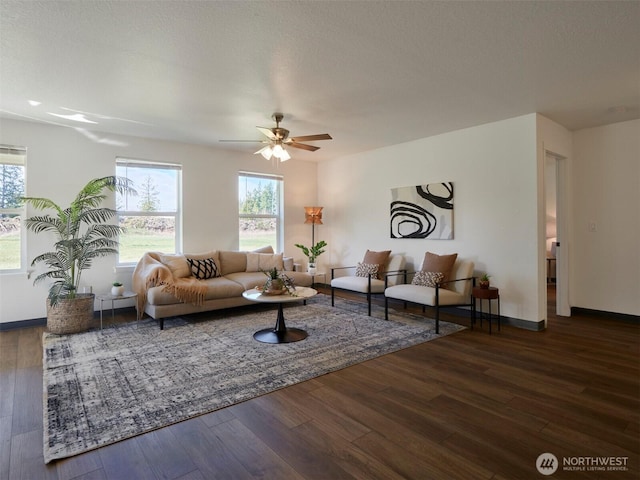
point(113, 298)
point(318, 274)
point(491, 293)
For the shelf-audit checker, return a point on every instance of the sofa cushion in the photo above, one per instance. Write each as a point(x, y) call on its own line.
point(259, 262)
point(379, 258)
point(427, 279)
point(440, 263)
point(217, 288)
point(425, 295)
point(358, 284)
point(288, 264)
point(248, 280)
point(300, 279)
point(201, 256)
point(232, 261)
point(267, 249)
point(222, 287)
point(177, 264)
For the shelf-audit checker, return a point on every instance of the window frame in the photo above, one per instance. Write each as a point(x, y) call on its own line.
point(279, 217)
point(21, 211)
point(178, 214)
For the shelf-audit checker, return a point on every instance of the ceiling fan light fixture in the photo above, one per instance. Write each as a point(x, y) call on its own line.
point(266, 152)
point(277, 150)
point(278, 138)
point(284, 156)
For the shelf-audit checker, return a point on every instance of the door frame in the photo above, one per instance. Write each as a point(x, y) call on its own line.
point(562, 231)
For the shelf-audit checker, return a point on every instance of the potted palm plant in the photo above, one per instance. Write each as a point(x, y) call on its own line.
point(82, 234)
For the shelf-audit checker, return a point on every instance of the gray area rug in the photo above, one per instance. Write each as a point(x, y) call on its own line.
point(103, 387)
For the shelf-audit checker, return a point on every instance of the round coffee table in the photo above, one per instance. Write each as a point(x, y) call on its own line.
point(280, 334)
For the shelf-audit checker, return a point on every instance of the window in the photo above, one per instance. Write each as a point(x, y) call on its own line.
point(260, 201)
point(151, 219)
point(12, 174)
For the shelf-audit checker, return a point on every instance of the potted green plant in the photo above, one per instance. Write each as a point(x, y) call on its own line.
point(82, 233)
point(484, 281)
point(117, 289)
point(277, 283)
point(312, 253)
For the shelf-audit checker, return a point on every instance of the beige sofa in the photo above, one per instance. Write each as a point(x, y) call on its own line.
point(171, 285)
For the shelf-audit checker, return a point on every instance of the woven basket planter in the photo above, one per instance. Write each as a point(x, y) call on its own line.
point(70, 315)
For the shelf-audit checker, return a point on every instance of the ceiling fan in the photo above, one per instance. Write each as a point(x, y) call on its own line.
point(278, 138)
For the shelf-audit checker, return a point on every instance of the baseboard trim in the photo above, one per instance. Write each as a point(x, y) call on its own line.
point(34, 322)
point(524, 324)
point(504, 320)
point(42, 322)
point(623, 317)
point(512, 322)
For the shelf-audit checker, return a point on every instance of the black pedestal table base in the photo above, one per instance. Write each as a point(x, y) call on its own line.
point(280, 334)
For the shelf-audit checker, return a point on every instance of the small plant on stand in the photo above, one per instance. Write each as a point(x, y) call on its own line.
point(484, 281)
point(117, 289)
point(312, 253)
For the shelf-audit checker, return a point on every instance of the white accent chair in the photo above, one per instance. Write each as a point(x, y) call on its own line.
point(393, 273)
point(438, 297)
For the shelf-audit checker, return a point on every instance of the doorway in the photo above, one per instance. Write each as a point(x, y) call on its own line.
point(557, 245)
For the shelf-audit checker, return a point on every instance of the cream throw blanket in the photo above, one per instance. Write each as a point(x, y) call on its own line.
point(151, 272)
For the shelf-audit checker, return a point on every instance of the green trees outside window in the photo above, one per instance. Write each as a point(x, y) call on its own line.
point(12, 188)
point(260, 209)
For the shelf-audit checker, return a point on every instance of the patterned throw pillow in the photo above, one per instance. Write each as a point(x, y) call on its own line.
point(366, 269)
point(427, 279)
point(204, 268)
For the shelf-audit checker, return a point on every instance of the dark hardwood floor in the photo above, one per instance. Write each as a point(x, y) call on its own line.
point(466, 406)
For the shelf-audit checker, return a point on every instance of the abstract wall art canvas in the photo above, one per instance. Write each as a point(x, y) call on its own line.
point(423, 211)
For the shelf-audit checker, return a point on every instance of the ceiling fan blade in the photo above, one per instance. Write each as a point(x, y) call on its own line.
point(267, 132)
point(311, 138)
point(251, 141)
point(311, 148)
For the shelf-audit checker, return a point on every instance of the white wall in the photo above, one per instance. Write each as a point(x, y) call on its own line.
point(557, 140)
point(498, 219)
point(61, 160)
point(606, 177)
point(494, 169)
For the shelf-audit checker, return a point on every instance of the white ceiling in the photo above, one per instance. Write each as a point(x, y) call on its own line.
point(370, 73)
